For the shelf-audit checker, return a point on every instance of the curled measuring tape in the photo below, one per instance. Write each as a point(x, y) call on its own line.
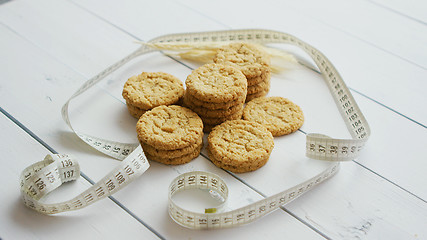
point(43, 177)
point(247, 214)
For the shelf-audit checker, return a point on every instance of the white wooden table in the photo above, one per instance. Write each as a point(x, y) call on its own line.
point(51, 47)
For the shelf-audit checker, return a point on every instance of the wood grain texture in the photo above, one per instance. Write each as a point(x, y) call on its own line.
point(102, 220)
point(96, 103)
point(291, 84)
point(52, 47)
point(364, 67)
point(367, 22)
point(412, 9)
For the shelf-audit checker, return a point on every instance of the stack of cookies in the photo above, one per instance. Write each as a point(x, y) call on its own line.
point(240, 146)
point(254, 64)
point(216, 92)
point(151, 89)
point(170, 134)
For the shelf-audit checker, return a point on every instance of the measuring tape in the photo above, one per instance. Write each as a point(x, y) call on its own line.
point(43, 177)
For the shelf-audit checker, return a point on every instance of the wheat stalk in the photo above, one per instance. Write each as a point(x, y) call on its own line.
point(205, 52)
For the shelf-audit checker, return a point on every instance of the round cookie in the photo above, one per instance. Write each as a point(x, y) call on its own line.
point(260, 87)
point(169, 127)
point(247, 57)
point(178, 160)
point(148, 149)
point(250, 97)
point(279, 115)
point(214, 106)
point(216, 83)
point(152, 89)
point(210, 123)
point(135, 111)
point(264, 77)
point(242, 144)
point(218, 113)
point(238, 168)
point(218, 120)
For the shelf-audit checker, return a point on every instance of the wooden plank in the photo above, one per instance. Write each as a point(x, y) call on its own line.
point(103, 220)
point(373, 24)
point(354, 204)
point(292, 85)
point(158, 173)
point(364, 67)
point(385, 142)
point(149, 20)
point(382, 150)
point(413, 9)
point(47, 133)
point(44, 30)
point(372, 209)
point(95, 44)
point(392, 68)
point(146, 197)
point(398, 142)
point(276, 225)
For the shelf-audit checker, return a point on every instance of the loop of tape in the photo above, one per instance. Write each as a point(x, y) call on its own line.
point(41, 178)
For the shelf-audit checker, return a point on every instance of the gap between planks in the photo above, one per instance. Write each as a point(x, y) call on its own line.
point(84, 176)
point(190, 68)
point(396, 12)
point(309, 67)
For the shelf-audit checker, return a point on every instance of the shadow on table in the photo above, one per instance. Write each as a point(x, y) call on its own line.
point(29, 219)
point(74, 144)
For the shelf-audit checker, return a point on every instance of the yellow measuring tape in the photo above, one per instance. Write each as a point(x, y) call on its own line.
point(42, 177)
